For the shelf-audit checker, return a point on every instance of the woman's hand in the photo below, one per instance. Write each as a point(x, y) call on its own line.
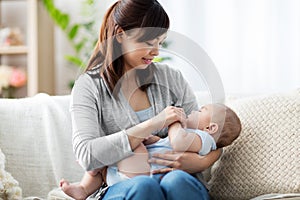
point(168, 116)
point(186, 161)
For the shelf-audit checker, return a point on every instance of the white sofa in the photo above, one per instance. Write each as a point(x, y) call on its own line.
point(35, 137)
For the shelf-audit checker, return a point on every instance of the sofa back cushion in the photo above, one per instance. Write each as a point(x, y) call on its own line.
point(266, 157)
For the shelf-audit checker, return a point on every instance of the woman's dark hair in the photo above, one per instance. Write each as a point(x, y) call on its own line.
point(128, 15)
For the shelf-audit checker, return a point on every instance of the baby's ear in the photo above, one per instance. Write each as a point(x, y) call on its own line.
point(212, 128)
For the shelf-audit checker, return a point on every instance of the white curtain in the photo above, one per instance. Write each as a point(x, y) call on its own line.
point(255, 44)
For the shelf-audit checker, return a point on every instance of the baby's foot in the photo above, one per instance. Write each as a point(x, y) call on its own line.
point(75, 191)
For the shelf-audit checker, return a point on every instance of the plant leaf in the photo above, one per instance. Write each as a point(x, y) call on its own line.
point(71, 84)
point(73, 32)
point(63, 20)
point(60, 18)
point(161, 59)
point(75, 60)
point(89, 2)
point(79, 45)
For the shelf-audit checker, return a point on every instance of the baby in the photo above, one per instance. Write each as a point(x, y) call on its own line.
point(213, 126)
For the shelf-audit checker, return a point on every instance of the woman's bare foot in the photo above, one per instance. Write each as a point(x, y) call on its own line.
point(75, 191)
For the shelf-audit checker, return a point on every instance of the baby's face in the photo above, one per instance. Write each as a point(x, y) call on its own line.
point(200, 119)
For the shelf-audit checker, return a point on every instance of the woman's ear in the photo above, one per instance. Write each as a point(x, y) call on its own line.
point(119, 34)
point(212, 128)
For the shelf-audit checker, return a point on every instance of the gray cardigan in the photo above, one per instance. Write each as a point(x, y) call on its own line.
point(98, 119)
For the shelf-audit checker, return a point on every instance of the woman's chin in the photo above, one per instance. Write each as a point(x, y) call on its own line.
point(143, 66)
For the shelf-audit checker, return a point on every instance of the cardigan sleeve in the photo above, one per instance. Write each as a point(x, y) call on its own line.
point(92, 146)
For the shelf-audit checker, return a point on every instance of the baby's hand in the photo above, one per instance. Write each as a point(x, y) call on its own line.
point(168, 116)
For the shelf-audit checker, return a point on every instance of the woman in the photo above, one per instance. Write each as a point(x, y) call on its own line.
point(121, 81)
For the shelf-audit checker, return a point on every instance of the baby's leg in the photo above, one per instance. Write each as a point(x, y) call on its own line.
point(90, 182)
point(136, 164)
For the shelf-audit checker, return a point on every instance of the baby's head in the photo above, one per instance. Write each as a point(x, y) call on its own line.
point(221, 122)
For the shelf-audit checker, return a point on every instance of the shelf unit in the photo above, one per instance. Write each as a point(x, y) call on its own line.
point(13, 50)
point(38, 48)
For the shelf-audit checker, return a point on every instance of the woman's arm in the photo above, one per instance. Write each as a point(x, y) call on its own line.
point(186, 161)
point(169, 115)
point(185, 156)
point(93, 147)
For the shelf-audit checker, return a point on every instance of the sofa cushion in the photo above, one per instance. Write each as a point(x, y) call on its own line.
point(265, 158)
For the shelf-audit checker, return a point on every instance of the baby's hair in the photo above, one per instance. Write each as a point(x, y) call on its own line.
point(231, 128)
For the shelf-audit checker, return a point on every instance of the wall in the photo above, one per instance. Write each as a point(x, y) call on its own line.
point(255, 44)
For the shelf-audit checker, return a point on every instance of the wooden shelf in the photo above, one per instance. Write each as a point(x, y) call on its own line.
point(38, 51)
point(29, 18)
point(13, 50)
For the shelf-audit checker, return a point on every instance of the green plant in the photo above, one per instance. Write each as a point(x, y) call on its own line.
point(82, 36)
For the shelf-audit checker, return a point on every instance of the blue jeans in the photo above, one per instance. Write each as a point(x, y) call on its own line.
point(171, 186)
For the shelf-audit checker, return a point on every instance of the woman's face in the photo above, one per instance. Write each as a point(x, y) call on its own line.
point(140, 54)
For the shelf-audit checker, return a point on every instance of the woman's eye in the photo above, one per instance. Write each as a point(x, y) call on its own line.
point(149, 44)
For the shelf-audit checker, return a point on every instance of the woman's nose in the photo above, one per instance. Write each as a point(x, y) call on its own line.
point(155, 51)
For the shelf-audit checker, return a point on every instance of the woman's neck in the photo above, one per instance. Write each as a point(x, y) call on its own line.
point(137, 99)
point(129, 76)
point(129, 81)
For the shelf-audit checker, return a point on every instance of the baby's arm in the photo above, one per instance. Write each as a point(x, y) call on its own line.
point(183, 141)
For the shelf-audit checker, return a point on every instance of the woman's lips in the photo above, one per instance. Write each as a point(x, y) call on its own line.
point(147, 61)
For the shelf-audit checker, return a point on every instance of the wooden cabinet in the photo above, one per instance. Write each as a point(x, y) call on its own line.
point(36, 55)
